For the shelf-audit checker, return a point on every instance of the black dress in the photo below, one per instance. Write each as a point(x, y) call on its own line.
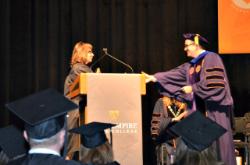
point(74, 116)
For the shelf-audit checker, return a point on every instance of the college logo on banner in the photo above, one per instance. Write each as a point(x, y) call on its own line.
point(243, 4)
point(114, 114)
point(233, 26)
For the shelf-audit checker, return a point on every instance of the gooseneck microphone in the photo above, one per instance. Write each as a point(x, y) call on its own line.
point(105, 50)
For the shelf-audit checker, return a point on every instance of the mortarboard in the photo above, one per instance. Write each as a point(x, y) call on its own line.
point(43, 112)
point(92, 133)
point(12, 142)
point(113, 163)
point(198, 39)
point(197, 131)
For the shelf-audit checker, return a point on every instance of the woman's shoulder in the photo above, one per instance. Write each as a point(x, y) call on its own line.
point(79, 67)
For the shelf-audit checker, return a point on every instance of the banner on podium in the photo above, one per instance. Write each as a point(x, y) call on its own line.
point(116, 98)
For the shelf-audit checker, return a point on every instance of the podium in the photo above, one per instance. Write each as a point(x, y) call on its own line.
point(115, 98)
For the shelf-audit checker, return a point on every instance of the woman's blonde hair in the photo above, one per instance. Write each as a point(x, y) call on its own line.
point(102, 154)
point(78, 48)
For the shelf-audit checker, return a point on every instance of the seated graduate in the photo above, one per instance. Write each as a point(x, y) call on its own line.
point(95, 147)
point(196, 144)
point(44, 114)
point(12, 145)
point(167, 111)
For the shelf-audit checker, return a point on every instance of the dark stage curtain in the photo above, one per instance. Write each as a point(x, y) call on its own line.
point(37, 37)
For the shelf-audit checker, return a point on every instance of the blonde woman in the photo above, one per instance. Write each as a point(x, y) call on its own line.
point(82, 55)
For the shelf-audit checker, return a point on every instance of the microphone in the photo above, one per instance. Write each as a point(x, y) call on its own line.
point(105, 50)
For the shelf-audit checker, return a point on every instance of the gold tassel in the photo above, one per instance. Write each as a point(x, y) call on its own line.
point(196, 39)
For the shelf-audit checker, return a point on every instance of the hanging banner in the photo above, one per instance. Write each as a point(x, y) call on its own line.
point(234, 26)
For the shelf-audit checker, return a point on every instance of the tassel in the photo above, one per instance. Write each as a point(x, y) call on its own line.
point(196, 39)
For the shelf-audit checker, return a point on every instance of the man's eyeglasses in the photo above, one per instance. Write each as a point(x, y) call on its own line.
point(187, 45)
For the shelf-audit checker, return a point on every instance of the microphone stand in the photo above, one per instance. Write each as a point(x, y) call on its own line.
point(99, 59)
point(116, 59)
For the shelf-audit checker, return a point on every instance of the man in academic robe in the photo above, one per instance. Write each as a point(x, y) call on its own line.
point(205, 87)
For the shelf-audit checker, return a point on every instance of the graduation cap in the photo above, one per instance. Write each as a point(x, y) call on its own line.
point(198, 39)
point(12, 142)
point(93, 134)
point(43, 112)
point(197, 131)
point(113, 163)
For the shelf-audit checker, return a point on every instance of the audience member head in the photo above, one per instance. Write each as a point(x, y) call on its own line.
point(12, 144)
point(95, 146)
point(187, 156)
point(197, 134)
point(44, 114)
point(101, 154)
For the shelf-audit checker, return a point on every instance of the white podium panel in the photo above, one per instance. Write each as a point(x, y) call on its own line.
point(116, 98)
